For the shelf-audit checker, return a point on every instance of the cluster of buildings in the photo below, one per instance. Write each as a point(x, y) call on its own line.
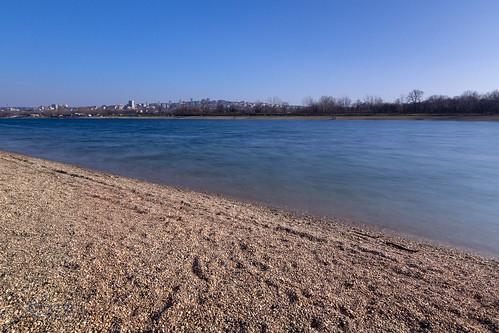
point(205, 103)
point(53, 107)
point(204, 106)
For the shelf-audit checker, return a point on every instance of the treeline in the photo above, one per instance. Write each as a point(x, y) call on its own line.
point(470, 102)
point(414, 103)
point(223, 110)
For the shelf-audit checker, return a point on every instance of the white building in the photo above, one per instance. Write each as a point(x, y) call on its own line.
point(131, 104)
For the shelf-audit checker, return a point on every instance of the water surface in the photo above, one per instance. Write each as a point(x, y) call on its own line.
point(435, 179)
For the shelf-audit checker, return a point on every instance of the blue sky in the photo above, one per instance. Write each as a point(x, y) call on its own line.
point(86, 52)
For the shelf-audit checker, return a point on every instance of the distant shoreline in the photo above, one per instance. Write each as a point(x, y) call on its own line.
point(294, 117)
point(347, 117)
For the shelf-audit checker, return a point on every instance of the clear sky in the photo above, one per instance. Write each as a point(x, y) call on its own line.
point(86, 52)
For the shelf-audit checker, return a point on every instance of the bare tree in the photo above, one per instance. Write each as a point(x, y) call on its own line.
point(493, 95)
point(415, 96)
point(344, 102)
point(325, 100)
point(470, 95)
point(327, 103)
point(373, 100)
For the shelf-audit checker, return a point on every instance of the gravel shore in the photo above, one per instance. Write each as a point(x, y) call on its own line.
point(87, 251)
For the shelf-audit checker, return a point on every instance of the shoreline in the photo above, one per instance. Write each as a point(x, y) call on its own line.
point(344, 220)
point(455, 117)
point(82, 249)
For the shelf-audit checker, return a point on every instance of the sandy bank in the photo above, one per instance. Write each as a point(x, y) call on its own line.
point(82, 250)
point(460, 117)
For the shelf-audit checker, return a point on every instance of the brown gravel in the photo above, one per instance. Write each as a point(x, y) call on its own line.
point(88, 251)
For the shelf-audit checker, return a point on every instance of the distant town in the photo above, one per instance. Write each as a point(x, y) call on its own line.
point(134, 109)
point(413, 103)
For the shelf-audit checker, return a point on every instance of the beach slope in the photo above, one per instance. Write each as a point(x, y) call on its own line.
point(82, 250)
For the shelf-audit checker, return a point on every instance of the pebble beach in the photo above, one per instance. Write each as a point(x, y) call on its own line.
point(84, 251)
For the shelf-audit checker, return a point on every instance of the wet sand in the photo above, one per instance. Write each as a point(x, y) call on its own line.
point(82, 250)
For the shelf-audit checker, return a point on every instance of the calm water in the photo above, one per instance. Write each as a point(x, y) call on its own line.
point(435, 179)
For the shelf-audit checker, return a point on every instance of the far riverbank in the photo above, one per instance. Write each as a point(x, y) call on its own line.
point(458, 117)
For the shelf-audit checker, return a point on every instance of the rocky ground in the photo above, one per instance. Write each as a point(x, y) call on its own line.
point(82, 251)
